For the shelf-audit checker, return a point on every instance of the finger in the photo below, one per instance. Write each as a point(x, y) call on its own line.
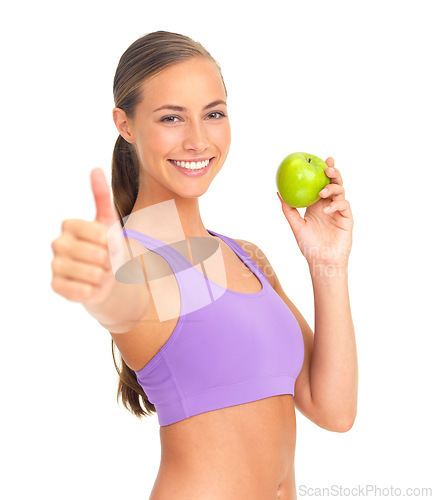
point(330, 161)
point(335, 191)
point(71, 289)
point(104, 209)
point(83, 251)
point(85, 230)
point(334, 175)
point(342, 206)
point(292, 215)
point(78, 271)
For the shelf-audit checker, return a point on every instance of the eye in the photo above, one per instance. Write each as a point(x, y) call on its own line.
point(168, 120)
point(217, 113)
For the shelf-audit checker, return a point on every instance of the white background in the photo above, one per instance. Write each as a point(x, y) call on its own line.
point(351, 80)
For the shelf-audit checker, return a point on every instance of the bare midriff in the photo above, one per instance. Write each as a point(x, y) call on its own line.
point(243, 451)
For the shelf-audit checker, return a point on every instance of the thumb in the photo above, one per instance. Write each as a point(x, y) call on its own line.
point(105, 212)
point(107, 215)
point(292, 215)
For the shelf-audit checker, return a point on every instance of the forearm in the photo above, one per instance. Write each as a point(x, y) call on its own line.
point(334, 364)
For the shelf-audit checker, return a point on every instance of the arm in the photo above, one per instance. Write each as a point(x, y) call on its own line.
point(326, 387)
point(334, 363)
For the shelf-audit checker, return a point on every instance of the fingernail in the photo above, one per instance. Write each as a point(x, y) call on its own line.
point(331, 170)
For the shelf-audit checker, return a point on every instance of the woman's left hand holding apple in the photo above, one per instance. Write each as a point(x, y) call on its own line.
point(324, 238)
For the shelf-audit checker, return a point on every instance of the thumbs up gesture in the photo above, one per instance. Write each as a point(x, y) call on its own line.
point(82, 270)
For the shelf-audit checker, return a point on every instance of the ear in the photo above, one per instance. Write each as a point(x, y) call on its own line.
point(123, 125)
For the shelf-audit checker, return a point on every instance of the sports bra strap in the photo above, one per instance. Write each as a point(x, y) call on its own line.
point(195, 289)
point(176, 261)
point(243, 255)
point(190, 280)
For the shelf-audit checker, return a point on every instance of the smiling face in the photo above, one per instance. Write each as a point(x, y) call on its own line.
point(182, 118)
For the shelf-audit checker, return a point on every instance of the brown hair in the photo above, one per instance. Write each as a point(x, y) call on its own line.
point(146, 57)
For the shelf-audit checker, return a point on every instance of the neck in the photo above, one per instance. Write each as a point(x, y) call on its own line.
point(167, 216)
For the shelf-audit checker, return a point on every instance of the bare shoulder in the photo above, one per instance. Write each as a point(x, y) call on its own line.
point(259, 257)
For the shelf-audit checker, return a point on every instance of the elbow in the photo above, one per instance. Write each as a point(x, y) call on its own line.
point(346, 425)
point(337, 423)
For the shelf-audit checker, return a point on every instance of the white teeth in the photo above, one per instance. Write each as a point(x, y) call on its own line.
point(192, 165)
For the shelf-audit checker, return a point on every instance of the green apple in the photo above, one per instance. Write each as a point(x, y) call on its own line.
point(300, 177)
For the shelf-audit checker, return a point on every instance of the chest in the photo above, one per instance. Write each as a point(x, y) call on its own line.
point(142, 343)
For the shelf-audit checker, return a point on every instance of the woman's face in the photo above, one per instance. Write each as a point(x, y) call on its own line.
point(191, 126)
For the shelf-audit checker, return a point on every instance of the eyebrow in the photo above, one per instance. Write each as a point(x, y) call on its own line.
point(180, 108)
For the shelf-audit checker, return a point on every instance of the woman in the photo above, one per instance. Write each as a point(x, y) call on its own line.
point(224, 365)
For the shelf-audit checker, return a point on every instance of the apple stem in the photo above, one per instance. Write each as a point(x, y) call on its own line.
point(309, 160)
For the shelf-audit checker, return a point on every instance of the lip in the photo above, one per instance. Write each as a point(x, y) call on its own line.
point(193, 173)
point(193, 159)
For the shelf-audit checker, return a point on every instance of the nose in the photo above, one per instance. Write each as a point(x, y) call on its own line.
point(196, 137)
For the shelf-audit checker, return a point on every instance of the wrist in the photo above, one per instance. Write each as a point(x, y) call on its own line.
point(319, 269)
point(327, 261)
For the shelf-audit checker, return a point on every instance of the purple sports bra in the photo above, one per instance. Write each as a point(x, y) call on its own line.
point(228, 348)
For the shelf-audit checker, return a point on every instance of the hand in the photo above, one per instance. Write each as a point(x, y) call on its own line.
point(324, 237)
point(81, 266)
